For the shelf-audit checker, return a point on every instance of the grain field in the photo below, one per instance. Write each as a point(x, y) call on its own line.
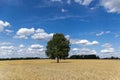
point(65, 70)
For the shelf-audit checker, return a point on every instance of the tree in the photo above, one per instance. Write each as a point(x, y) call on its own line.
point(58, 47)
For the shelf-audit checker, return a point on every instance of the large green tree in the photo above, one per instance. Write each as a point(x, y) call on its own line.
point(58, 47)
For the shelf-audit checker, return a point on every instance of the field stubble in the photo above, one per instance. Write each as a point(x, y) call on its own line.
point(66, 70)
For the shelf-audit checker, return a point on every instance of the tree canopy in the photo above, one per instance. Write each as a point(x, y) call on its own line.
point(58, 47)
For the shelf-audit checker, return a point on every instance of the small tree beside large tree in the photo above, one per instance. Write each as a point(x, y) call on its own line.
point(58, 47)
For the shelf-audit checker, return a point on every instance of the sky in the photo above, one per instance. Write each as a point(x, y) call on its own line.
point(92, 26)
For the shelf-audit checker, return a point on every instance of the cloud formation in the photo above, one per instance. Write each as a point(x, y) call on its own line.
point(84, 42)
point(24, 33)
point(102, 33)
point(107, 48)
point(38, 34)
point(83, 51)
point(36, 46)
point(21, 50)
point(112, 6)
point(3, 25)
point(80, 2)
point(83, 2)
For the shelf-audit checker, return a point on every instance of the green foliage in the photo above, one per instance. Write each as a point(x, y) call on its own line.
point(91, 56)
point(58, 47)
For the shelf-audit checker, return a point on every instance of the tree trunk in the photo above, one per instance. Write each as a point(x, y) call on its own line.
point(57, 59)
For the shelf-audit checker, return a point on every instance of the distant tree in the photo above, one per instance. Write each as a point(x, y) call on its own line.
point(92, 56)
point(58, 47)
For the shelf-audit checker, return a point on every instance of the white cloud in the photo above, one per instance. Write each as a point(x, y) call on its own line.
point(40, 30)
point(63, 10)
point(84, 42)
point(68, 1)
point(103, 32)
point(41, 35)
point(87, 51)
point(106, 45)
point(56, 0)
point(36, 49)
point(107, 48)
point(83, 2)
point(21, 46)
point(67, 37)
point(8, 31)
point(38, 34)
point(24, 33)
point(32, 50)
point(75, 49)
point(5, 43)
point(112, 6)
point(3, 25)
point(99, 34)
point(36, 46)
point(7, 47)
point(22, 51)
point(83, 51)
point(6, 50)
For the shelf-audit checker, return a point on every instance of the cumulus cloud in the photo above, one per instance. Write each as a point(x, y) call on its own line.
point(6, 50)
point(83, 2)
point(36, 46)
point(21, 46)
point(75, 49)
point(87, 51)
point(84, 42)
point(3, 25)
point(83, 51)
point(40, 30)
point(56, 0)
point(67, 37)
point(30, 50)
point(112, 6)
point(106, 45)
point(5, 43)
point(36, 49)
point(107, 48)
point(22, 50)
point(40, 34)
point(7, 47)
point(24, 32)
point(102, 33)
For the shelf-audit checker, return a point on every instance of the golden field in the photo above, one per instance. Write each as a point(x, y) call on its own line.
point(65, 70)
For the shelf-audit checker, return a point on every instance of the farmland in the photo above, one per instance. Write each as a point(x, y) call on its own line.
point(65, 70)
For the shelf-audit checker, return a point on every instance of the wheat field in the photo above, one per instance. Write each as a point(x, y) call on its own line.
point(65, 70)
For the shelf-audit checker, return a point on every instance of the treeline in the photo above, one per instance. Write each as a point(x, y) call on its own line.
point(112, 58)
point(71, 57)
point(92, 56)
point(84, 57)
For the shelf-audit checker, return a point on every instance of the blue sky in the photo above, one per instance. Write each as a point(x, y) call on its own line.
point(92, 26)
